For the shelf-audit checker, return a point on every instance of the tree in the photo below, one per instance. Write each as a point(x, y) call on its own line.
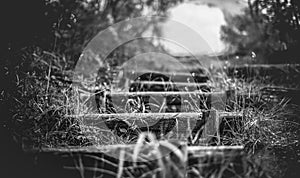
point(269, 28)
point(57, 28)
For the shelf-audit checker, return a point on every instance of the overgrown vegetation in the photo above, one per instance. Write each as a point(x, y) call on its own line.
point(39, 98)
point(267, 32)
point(41, 121)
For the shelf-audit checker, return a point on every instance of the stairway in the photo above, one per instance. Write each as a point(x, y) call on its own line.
point(185, 129)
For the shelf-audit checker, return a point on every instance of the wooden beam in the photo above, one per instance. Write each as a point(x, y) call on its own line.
point(164, 93)
point(153, 116)
point(105, 160)
point(128, 147)
point(174, 73)
point(170, 83)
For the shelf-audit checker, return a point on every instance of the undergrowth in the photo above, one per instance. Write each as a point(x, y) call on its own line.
point(46, 100)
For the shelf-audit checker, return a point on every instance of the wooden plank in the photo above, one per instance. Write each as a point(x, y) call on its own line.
point(197, 149)
point(142, 119)
point(169, 73)
point(189, 101)
point(265, 65)
point(163, 93)
point(188, 152)
point(130, 147)
point(185, 123)
point(153, 116)
point(181, 93)
point(104, 161)
point(279, 89)
point(180, 84)
point(144, 116)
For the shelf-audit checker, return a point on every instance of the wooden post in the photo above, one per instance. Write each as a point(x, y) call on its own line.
point(211, 128)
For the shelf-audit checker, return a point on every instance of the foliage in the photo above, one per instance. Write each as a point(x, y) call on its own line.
point(267, 31)
point(42, 42)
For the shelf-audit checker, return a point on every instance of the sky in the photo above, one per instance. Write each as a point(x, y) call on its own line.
point(204, 17)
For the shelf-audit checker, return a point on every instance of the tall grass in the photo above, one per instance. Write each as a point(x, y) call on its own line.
point(45, 99)
point(41, 103)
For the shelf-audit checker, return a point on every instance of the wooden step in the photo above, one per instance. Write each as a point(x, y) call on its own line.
point(181, 84)
point(168, 73)
point(174, 76)
point(133, 160)
point(184, 120)
point(154, 116)
point(190, 101)
point(195, 150)
point(170, 83)
point(162, 93)
point(115, 150)
point(181, 128)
